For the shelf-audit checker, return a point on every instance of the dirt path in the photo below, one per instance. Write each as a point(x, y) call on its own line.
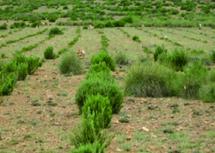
point(40, 113)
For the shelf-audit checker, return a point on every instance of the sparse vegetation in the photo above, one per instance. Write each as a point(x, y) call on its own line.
point(121, 58)
point(70, 64)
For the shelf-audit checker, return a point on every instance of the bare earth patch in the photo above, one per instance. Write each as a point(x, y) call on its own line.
point(170, 125)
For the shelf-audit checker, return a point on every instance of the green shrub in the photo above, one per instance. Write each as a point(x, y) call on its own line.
point(22, 71)
point(211, 75)
point(213, 56)
point(158, 51)
point(121, 58)
point(100, 67)
point(101, 108)
point(104, 75)
point(3, 26)
point(18, 25)
point(90, 148)
point(10, 67)
point(149, 80)
point(70, 64)
point(207, 92)
point(7, 83)
point(87, 133)
point(55, 31)
point(49, 53)
point(104, 42)
point(136, 38)
point(33, 64)
point(195, 76)
point(177, 59)
point(106, 88)
point(101, 57)
point(100, 71)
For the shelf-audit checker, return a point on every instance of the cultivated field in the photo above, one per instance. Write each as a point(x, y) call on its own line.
point(104, 76)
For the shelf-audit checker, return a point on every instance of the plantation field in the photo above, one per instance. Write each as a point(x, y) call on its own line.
point(107, 76)
point(171, 38)
point(41, 111)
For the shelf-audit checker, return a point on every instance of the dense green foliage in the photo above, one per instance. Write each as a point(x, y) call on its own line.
point(87, 133)
point(94, 86)
point(176, 59)
point(17, 69)
point(113, 13)
point(55, 31)
point(194, 78)
point(101, 57)
point(101, 108)
point(136, 38)
point(90, 148)
point(213, 56)
point(49, 53)
point(159, 51)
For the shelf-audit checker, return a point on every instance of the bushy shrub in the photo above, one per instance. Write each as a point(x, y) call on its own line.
point(211, 75)
point(3, 26)
point(178, 59)
point(7, 83)
point(101, 57)
point(105, 75)
point(136, 38)
point(100, 67)
point(49, 53)
point(94, 86)
point(22, 71)
point(33, 64)
point(207, 92)
point(121, 58)
point(10, 67)
point(195, 76)
point(55, 31)
point(70, 64)
point(18, 25)
point(149, 80)
point(104, 42)
point(158, 51)
point(87, 133)
point(90, 148)
point(188, 5)
point(101, 108)
point(213, 56)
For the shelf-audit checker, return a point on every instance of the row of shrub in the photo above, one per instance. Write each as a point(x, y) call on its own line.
point(172, 74)
point(17, 69)
point(71, 43)
point(97, 98)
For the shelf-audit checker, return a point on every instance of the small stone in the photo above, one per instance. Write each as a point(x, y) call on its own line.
point(119, 150)
point(145, 129)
